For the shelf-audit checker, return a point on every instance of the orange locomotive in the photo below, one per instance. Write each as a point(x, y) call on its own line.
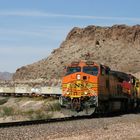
point(88, 87)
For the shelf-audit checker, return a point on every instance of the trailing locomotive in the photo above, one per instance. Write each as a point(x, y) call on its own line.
point(88, 87)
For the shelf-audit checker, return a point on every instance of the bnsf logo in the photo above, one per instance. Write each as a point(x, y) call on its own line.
point(79, 85)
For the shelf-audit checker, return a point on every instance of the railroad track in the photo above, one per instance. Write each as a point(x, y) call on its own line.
point(44, 121)
point(30, 95)
point(72, 118)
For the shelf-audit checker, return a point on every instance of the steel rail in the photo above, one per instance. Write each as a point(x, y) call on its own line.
point(43, 121)
point(30, 95)
point(72, 118)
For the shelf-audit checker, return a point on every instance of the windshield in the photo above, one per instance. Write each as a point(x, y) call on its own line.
point(71, 70)
point(91, 70)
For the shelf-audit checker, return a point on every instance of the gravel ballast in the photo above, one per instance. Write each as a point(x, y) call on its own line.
point(126, 127)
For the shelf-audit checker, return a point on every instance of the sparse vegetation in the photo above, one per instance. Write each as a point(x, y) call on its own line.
point(3, 101)
point(38, 114)
point(28, 112)
point(7, 111)
point(28, 108)
point(52, 106)
point(18, 99)
point(56, 106)
point(38, 98)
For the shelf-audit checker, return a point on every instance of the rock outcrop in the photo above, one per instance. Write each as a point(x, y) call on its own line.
point(117, 46)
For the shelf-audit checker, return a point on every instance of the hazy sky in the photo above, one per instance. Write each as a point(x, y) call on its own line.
point(31, 29)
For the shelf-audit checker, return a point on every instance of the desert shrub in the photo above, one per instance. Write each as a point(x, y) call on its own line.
point(7, 111)
point(56, 106)
point(53, 106)
point(3, 101)
point(38, 98)
point(29, 112)
point(18, 99)
point(37, 114)
point(49, 99)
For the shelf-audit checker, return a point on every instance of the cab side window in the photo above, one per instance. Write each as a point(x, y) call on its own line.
point(102, 71)
point(105, 70)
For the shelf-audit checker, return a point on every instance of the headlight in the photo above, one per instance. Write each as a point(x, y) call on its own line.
point(68, 93)
point(86, 93)
point(78, 76)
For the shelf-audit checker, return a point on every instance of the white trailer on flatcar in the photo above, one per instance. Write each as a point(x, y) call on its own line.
point(26, 90)
point(51, 91)
point(7, 90)
point(22, 90)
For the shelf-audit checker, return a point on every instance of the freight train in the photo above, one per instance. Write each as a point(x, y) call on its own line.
point(88, 87)
point(27, 90)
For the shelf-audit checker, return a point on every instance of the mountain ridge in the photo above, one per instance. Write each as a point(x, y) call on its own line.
point(117, 46)
point(6, 76)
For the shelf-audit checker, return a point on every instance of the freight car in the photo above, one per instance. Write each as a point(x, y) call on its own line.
point(26, 90)
point(88, 87)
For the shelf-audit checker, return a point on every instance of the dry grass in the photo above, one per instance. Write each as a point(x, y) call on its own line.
point(3, 101)
point(29, 108)
point(37, 115)
point(6, 111)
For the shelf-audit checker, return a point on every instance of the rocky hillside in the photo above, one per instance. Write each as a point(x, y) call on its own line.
point(117, 46)
point(5, 76)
